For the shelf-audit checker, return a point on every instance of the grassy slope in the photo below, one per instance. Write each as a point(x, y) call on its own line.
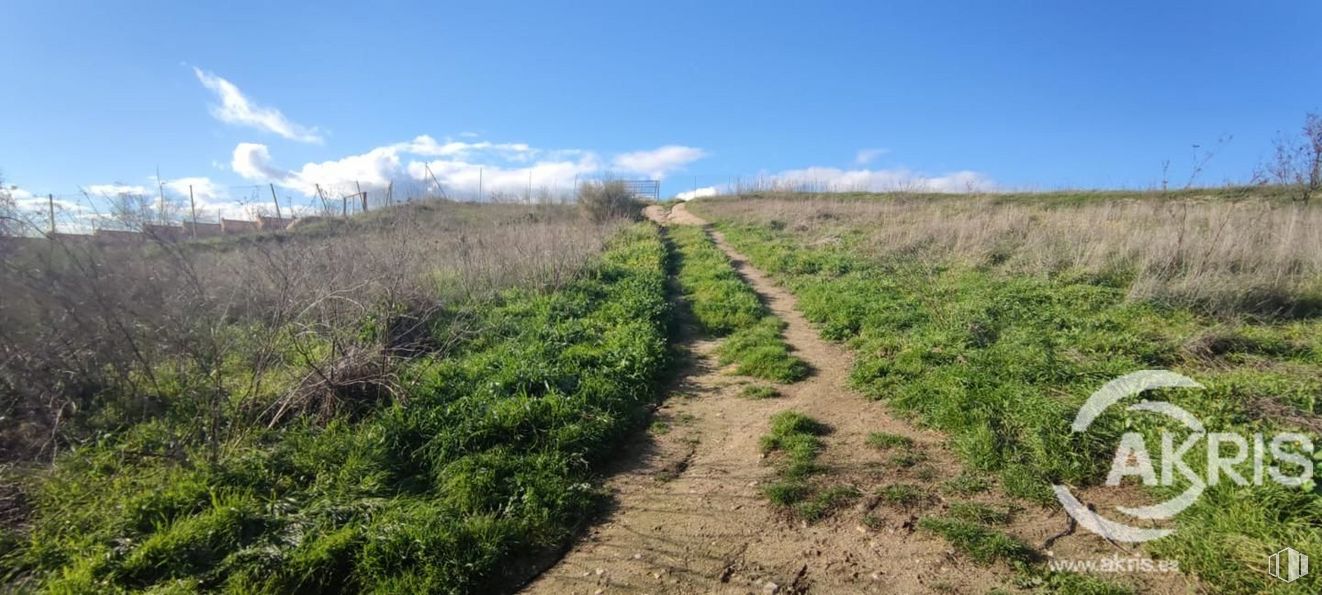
point(725, 305)
point(1001, 363)
point(488, 459)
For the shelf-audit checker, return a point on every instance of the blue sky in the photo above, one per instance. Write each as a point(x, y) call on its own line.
point(1029, 95)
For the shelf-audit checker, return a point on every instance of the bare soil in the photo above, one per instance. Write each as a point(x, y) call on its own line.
point(689, 516)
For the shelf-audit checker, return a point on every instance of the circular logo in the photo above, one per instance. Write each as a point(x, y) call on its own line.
point(1110, 394)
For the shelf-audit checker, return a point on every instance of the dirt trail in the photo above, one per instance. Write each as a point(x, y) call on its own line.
point(690, 517)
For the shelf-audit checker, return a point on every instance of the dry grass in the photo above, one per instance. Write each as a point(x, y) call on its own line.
point(94, 337)
point(1227, 257)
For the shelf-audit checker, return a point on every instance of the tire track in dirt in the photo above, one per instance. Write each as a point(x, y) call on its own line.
point(689, 516)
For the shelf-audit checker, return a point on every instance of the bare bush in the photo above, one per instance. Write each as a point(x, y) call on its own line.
point(99, 336)
point(1262, 257)
point(1296, 163)
point(608, 200)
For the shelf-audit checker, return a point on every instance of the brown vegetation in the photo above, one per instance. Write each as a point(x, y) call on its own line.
point(1257, 256)
point(115, 328)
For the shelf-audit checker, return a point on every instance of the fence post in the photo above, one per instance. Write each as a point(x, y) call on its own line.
point(364, 195)
point(192, 204)
point(50, 201)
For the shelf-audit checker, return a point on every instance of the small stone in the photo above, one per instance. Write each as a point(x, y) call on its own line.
point(600, 571)
point(771, 588)
point(638, 556)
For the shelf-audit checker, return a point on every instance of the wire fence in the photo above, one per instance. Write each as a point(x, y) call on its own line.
point(199, 202)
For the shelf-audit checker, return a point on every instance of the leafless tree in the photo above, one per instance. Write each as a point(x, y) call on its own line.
point(1296, 161)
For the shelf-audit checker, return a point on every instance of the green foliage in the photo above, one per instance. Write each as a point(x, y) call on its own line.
point(758, 391)
point(486, 460)
point(796, 437)
point(1001, 362)
point(760, 352)
point(982, 544)
point(975, 512)
point(883, 440)
point(724, 304)
point(966, 484)
point(903, 494)
point(824, 502)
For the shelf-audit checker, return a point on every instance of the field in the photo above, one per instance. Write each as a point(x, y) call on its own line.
point(439, 427)
point(992, 319)
point(771, 392)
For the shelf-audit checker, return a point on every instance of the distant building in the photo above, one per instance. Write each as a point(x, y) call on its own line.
point(163, 233)
point(237, 226)
point(202, 230)
point(116, 236)
point(273, 223)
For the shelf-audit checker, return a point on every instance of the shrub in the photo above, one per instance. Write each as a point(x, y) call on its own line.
point(608, 200)
point(486, 459)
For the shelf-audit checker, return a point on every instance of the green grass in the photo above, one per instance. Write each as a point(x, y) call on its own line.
point(883, 441)
point(980, 543)
point(725, 305)
point(759, 391)
point(903, 495)
point(822, 503)
point(966, 484)
point(975, 512)
point(1001, 361)
point(488, 459)
point(796, 438)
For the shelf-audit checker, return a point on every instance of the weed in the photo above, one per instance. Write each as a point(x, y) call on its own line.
point(981, 544)
point(883, 440)
point(903, 495)
point(907, 458)
point(975, 512)
point(996, 340)
point(796, 436)
point(758, 391)
point(966, 484)
point(724, 304)
point(823, 502)
point(485, 458)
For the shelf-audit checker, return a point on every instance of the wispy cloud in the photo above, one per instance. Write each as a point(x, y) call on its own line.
point(461, 166)
point(658, 162)
point(112, 190)
point(866, 156)
point(237, 108)
point(698, 193)
point(831, 179)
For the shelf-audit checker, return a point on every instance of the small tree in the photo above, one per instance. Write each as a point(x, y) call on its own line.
point(10, 223)
point(602, 201)
point(1297, 163)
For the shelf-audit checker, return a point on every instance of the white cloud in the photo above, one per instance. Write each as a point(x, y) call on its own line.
point(113, 190)
point(236, 108)
point(460, 166)
point(16, 193)
point(253, 161)
point(866, 156)
point(427, 146)
point(830, 179)
point(658, 162)
point(698, 193)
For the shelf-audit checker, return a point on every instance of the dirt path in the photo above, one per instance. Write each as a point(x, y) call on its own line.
point(690, 517)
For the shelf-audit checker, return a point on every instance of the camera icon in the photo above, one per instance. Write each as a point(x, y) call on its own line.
point(1288, 565)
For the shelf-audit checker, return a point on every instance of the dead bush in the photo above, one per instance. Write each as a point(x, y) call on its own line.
point(608, 200)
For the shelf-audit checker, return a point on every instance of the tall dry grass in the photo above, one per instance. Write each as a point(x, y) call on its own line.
point(98, 337)
point(1227, 257)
